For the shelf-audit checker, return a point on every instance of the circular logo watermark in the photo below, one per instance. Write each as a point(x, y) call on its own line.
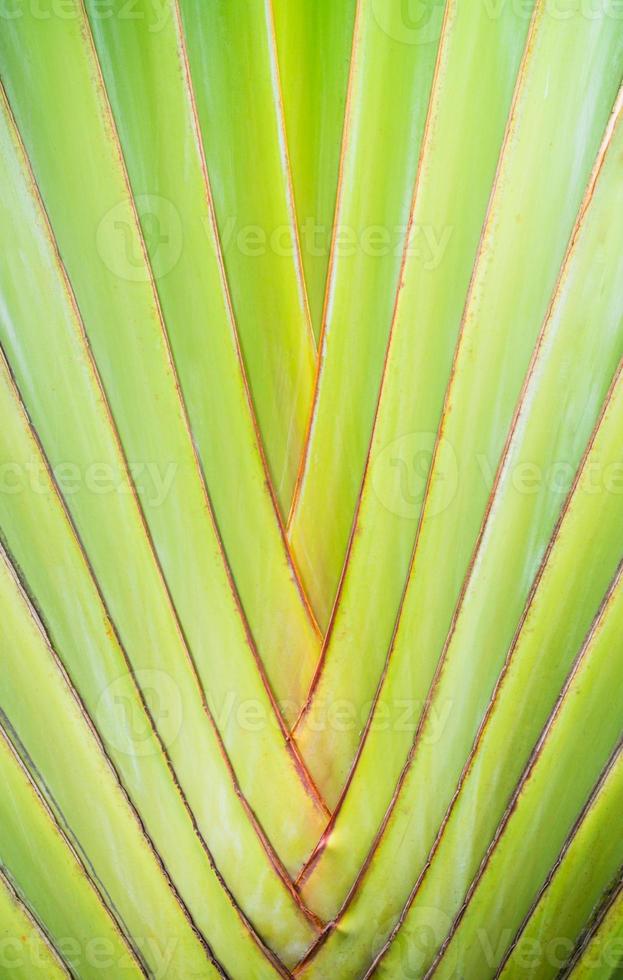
point(122, 722)
point(400, 473)
point(119, 245)
point(410, 21)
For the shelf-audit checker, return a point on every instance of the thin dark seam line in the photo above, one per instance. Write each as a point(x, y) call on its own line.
point(519, 409)
point(232, 322)
point(432, 466)
point(318, 850)
point(500, 834)
point(179, 628)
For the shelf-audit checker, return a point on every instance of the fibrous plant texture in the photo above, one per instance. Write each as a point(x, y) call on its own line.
point(311, 489)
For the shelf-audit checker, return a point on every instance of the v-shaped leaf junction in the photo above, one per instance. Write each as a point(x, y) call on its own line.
point(311, 471)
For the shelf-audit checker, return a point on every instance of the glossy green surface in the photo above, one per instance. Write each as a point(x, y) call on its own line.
point(479, 58)
point(567, 592)
point(86, 797)
point(310, 577)
point(201, 326)
point(477, 645)
point(603, 956)
point(388, 92)
point(114, 680)
point(125, 331)
point(80, 915)
point(26, 952)
point(577, 888)
point(556, 786)
point(314, 44)
point(531, 684)
point(233, 57)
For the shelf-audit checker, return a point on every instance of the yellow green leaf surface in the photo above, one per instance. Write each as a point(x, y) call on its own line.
point(26, 951)
point(387, 95)
point(601, 956)
point(311, 482)
point(314, 44)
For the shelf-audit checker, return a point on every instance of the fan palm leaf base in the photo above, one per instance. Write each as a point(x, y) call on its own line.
point(311, 489)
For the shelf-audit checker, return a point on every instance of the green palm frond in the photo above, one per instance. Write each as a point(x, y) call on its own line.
point(311, 482)
point(599, 955)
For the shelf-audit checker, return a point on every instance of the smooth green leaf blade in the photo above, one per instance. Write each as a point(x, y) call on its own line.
point(125, 330)
point(471, 96)
point(82, 790)
point(553, 794)
point(602, 957)
point(145, 75)
point(234, 65)
point(314, 43)
point(190, 492)
point(81, 787)
point(103, 250)
point(502, 321)
point(589, 866)
point(389, 87)
point(25, 949)
point(561, 611)
point(128, 703)
point(99, 494)
point(563, 103)
point(473, 659)
point(58, 889)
